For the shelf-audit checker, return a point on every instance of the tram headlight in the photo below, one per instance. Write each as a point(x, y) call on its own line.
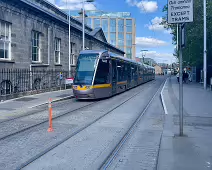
point(88, 87)
point(74, 87)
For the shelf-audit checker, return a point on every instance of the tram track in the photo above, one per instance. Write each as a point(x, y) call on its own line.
point(110, 158)
point(79, 130)
point(45, 120)
point(34, 110)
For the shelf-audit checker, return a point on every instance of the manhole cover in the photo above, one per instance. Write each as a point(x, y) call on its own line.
point(25, 99)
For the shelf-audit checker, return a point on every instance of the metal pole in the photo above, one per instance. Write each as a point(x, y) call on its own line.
point(83, 26)
point(143, 57)
point(205, 48)
point(69, 41)
point(178, 41)
point(181, 83)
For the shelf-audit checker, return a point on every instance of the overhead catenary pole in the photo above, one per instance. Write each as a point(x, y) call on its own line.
point(205, 44)
point(69, 40)
point(178, 42)
point(69, 45)
point(181, 81)
point(83, 25)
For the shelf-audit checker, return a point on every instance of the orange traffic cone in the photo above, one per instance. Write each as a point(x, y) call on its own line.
point(50, 129)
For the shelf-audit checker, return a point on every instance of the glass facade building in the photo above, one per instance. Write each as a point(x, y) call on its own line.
point(118, 27)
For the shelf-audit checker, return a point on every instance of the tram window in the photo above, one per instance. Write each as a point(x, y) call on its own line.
point(129, 74)
point(102, 73)
point(85, 69)
point(114, 71)
point(125, 71)
point(120, 69)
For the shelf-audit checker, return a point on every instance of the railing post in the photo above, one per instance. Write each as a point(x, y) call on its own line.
point(30, 72)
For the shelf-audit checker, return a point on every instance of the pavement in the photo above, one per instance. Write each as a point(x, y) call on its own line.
point(22, 105)
point(192, 151)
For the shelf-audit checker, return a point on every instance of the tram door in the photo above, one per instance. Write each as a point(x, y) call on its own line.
point(114, 76)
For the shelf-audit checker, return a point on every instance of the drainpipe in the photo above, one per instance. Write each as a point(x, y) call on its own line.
point(49, 36)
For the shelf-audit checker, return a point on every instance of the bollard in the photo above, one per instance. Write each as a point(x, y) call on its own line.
point(50, 129)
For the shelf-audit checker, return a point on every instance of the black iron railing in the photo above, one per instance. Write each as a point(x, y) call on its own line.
point(13, 81)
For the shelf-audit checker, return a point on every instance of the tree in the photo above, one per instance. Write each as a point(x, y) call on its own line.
point(193, 53)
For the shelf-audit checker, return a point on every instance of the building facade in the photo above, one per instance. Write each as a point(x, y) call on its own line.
point(119, 28)
point(34, 35)
point(148, 61)
point(158, 70)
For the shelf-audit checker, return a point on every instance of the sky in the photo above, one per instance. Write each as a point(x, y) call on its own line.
point(150, 35)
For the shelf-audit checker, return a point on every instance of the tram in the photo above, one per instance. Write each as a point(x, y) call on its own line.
point(101, 74)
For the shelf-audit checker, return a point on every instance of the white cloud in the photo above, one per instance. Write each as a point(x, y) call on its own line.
point(159, 57)
point(156, 25)
point(144, 5)
point(51, 1)
point(145, 42)
point(75, 5)
point(147, 6)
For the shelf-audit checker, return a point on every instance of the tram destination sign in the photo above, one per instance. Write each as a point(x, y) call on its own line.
point(180, 11)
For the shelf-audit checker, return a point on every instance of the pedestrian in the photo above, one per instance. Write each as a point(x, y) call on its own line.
point(184, 76)
point(178, 77)
point(189, 77)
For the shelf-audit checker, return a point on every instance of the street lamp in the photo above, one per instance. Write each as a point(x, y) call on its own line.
point(83, 22)
point(69, 40)
point(143, 54)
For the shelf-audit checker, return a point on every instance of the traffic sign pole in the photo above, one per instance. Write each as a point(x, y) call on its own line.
point(181, 83)
point(180, 12)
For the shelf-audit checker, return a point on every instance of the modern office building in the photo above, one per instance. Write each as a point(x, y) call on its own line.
point(119, 28)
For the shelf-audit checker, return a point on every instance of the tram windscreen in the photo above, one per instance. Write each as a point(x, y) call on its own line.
point(85, 68)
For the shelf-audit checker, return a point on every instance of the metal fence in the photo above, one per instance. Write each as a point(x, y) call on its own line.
point(14, 81)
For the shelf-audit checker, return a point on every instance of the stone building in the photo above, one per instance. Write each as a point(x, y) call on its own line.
point(35, 33)
point(158, 69)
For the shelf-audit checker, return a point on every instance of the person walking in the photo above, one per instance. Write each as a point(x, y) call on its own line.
point(178, 75)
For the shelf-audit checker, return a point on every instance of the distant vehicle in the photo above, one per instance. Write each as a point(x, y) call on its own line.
point(101, 74)
point(169, 72)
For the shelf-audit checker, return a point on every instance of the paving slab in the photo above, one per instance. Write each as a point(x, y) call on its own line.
point(19, 106)
point(193, 150)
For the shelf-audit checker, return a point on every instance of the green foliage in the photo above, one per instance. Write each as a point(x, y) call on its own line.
point(193, 52)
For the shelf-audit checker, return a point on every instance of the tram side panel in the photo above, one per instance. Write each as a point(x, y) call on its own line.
point(114, 76)
point(102, 82)
point(122, 79)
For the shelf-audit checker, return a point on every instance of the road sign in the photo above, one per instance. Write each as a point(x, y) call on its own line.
point(61, 75)
point(180, 11)
point(69, 81)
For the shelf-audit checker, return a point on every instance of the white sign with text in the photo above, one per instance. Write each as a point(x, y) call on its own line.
point(180, 11)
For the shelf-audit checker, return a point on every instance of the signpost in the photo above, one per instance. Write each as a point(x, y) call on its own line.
point(180, 12)
point(69, 81)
